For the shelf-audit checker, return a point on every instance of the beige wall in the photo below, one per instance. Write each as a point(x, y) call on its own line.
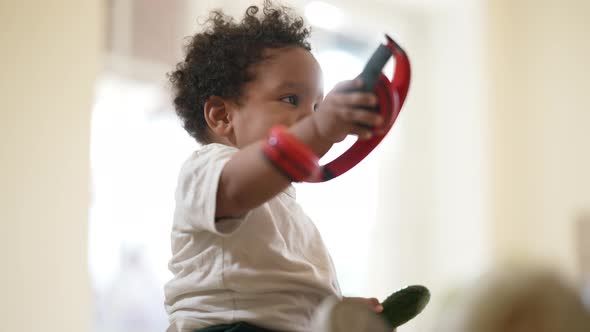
point(540, 121)
point(49, 60)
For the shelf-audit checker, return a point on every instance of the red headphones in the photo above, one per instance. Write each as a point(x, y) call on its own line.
point(295, 160)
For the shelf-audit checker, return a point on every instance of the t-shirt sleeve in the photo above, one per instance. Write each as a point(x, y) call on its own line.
point(197, 191)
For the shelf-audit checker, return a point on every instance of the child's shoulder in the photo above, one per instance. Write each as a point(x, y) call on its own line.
point(214, 148)
point(208, 153)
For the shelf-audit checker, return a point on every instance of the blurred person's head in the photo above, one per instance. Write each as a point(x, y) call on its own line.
point(516, 299)
point(238, 79)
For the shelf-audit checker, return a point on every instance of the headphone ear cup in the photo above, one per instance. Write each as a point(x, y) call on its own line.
point(391, 96)
point(383, 90)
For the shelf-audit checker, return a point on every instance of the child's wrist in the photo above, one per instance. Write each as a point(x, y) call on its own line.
point(291, 156)
point(309, 133)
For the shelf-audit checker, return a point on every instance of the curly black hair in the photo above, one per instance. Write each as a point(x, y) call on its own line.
point(218, 59)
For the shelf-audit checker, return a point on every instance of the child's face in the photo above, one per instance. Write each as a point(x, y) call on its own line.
point(287, 88)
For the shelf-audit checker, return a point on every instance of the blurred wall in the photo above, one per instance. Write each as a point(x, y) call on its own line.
point(540, 121)
point(432, 219)
point(49, 60)
point(494, 166)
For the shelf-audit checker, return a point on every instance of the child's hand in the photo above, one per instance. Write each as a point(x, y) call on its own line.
point(341, 114)
point(371, 302)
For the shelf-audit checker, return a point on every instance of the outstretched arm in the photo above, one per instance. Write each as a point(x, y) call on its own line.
point(249, 180)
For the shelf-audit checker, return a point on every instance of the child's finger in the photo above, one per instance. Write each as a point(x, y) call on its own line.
point(366, 99)
point(371, 302)
point(360, 116)
point(362, 132)
point(376, 304)
point(348, 85)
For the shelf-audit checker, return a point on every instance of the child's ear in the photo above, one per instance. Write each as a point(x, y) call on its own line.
point(218, 116)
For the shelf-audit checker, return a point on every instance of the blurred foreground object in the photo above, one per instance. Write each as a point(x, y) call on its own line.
point(405, 304)
point(583, 249)
point(516, 299)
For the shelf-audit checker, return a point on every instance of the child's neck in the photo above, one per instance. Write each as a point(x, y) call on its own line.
point(222, 140)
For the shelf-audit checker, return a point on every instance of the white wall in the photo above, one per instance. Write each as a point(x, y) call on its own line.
point(49, 60)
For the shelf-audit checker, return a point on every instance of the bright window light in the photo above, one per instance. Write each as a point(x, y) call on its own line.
point(323, 15)
point(338, 65)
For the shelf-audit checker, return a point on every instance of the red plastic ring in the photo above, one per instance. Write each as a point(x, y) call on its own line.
point(291, 156)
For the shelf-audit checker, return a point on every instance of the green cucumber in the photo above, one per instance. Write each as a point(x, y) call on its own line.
point(405, 304)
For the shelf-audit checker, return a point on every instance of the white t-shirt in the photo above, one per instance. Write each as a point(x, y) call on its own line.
point(269, 268)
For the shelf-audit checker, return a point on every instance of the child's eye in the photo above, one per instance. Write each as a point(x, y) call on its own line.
point(292, 99)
